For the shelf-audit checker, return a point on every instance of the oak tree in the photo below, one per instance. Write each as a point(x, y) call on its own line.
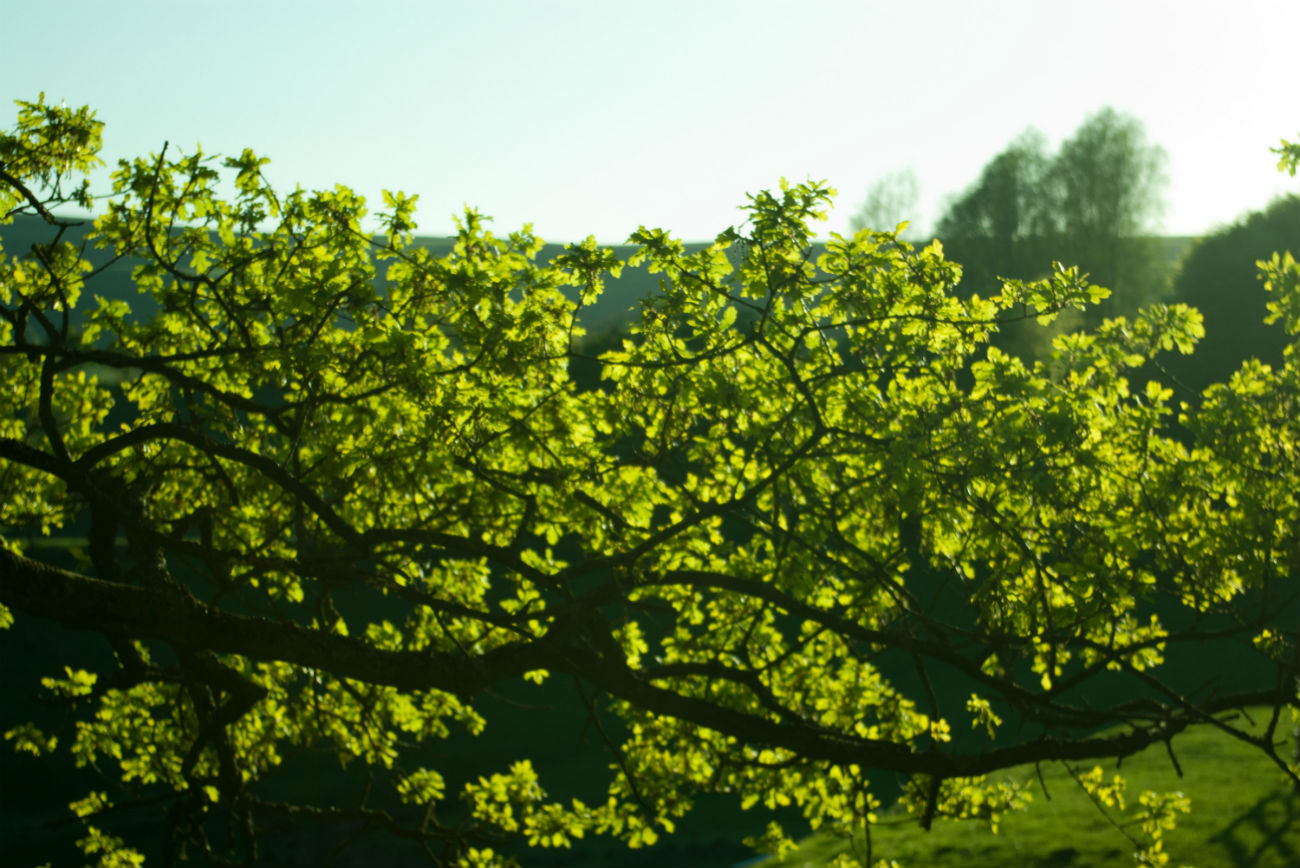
point(809, 535)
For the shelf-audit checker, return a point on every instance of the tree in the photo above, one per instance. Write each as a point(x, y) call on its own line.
point(785, 561)
point(1093, 204)
point(1218, 277)
point(1109, 183)
point(890, 201)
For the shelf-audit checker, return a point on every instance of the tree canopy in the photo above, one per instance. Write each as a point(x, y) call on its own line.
point(809, 534)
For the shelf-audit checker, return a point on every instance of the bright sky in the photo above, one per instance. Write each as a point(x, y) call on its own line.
point(596, 117)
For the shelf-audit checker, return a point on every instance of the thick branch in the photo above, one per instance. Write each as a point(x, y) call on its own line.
point(581, 646)
point(175, 616)
point(816, 743)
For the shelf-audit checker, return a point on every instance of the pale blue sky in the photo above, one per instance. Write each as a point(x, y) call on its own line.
point(595, 117)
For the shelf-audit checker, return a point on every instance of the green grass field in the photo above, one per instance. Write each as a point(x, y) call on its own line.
point(1244, 813)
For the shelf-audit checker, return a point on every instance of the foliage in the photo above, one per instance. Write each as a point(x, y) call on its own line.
point(324, 516)
point(1288, 156)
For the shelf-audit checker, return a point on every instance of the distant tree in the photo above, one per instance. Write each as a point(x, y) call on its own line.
point(1002, 225)
point(1006, 225)
point(1108, 185)
point(890, 201)
point(313, 515)
point(1092, 204)
point(1218, 276)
